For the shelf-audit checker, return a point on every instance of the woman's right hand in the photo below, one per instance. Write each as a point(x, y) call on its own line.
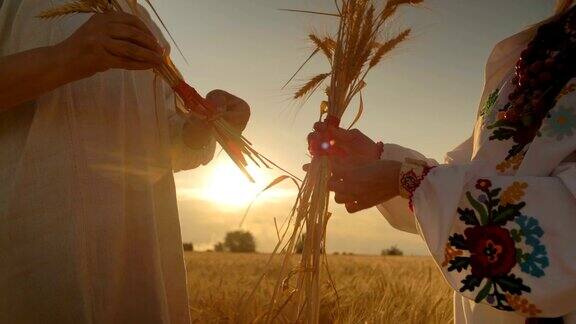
point(111, 41)
point(354, 145)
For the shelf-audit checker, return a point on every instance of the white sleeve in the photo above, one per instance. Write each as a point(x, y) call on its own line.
point(184, 157)
point(505, 241)
point(396, 210)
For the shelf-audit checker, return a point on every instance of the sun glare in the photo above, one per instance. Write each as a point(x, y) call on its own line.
point(228, 187)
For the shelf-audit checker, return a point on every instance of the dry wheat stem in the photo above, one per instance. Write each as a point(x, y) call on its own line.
point(356, 49)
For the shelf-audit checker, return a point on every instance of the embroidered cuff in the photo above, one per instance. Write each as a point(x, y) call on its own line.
point(412, 173)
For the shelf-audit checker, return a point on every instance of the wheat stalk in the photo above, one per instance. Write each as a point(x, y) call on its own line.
point(356, 49)
point(311, 85)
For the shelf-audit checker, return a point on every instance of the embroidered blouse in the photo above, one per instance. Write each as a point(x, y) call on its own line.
point(500, 230)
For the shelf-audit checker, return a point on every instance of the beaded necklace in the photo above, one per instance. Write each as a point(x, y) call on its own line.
point(542, 71)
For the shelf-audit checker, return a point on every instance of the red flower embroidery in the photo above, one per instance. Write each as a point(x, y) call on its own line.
point(492, 251)
point(483, 184)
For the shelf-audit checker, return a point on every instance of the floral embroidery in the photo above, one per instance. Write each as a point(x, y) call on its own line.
point(412, 173)
point(513, 193)
point(490, 102)
point(522, 305)
point(514, 163)
point(521, 132)
point(450, 254)
point(489, 250)
point(560, 123)
point(536, 260)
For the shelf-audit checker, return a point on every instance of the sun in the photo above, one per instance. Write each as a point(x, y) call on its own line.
point(228, 188)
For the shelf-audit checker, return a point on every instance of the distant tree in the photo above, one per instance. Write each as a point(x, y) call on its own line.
point(392, 251)
point(188, 247)
point(336, 253)
point(240, 241)
point(219, 247)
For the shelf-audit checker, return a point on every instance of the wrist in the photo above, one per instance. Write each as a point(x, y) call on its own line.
point(196, 134)
point(412, 173)
point(396, 169)
point(73, 63)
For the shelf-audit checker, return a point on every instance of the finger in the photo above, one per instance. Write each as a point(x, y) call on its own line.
point(340, 169)
point(131, 20)
point(358, 206)
point(313, 137)
point(122, 63)
point(237, 118)
point(219, 99)
point(354, 207)
point(366, 202)
point(340, 134)
point(226, 101)
point(134, 35)
point(239, 108)
point(343, 187)
point(319, 126)
point(132, 52)
point(341, 198)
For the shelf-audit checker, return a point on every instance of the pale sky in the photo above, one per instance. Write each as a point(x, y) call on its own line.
point(424, 97)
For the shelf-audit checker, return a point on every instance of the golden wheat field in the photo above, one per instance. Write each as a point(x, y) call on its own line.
point(371, 289)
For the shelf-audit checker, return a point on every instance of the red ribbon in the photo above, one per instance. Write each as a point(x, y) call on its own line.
point(193, 100)
point(332, 121)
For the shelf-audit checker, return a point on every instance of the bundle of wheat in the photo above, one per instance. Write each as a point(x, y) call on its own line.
point(359, 45)
point(230, 139)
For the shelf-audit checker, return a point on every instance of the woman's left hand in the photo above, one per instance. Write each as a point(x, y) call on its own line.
point(197, 133)
point(234, 110)
point(363, 186)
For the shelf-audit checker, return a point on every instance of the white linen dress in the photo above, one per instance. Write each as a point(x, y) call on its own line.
point(89, 228)
point(501, 232)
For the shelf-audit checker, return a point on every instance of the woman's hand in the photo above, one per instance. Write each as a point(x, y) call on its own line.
point(105, 41)
point(111, 41)
point(362, 186)
point(352, 143)
point(234, 110)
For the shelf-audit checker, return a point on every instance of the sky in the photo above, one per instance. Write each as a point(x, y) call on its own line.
point(424, 96)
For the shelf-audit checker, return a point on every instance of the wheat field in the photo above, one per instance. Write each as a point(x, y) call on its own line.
point(371, 289)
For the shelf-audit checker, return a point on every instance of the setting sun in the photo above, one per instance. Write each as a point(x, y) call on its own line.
point(228, 188)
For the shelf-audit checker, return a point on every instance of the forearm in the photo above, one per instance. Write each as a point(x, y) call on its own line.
point(27, 75)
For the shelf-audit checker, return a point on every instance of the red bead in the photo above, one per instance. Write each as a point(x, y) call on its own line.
point(536, 67)
point(545, 77)
point(537, 104)
point(550, 62)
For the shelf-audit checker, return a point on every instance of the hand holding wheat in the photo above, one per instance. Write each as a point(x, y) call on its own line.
point(112, 41)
